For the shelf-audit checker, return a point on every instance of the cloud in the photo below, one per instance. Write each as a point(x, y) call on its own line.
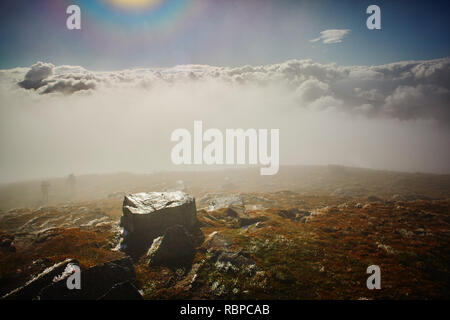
point(311, 90)
point(35, 77)
point(55, 120)
point(46, 78)
point(403, 90)
point(331, 36)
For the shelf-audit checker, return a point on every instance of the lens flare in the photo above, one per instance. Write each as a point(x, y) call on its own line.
point(134, 4)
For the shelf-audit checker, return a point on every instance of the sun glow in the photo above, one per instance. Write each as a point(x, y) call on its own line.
point(134, 4)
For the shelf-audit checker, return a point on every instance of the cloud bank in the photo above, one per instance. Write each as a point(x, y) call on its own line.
point(403, 90)
point(55, 120)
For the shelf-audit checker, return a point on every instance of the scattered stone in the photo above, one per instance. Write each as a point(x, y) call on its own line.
point(217, 240)
point(215, 201)
point(253, 227)
point(294, 214)
point(47, 234)
point(244, 219)
point(236, 262)
point(373, 198)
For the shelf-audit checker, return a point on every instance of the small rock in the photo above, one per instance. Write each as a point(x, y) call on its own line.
point(236, 262)
point(373, 198)
point(218, 240)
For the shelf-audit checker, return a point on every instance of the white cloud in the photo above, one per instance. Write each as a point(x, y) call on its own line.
point(402, 90)
point(394, 116)
point(331, 36)
point(35, 77)
point(311, 89)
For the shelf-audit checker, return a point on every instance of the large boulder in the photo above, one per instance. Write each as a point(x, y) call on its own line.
point(173, 249)
point(146, 216)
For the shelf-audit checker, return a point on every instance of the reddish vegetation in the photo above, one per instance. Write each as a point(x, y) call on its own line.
point(327, 257)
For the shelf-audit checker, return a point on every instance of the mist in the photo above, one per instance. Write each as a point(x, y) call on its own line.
point(70, 120)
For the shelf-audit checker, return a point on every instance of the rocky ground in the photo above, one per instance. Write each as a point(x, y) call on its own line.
point(314, 239)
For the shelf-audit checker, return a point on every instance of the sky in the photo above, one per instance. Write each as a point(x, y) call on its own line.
point(106, 98)
point(163, 33)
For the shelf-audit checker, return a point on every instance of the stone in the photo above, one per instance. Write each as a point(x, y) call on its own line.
point(31, 289)
point(373, 198)
point(244, 218)
point(96, 282)
point(217, 240)
point(214, 201)
point(294, 214)
point(146, 216)
point(173, 249)
point(236, 262)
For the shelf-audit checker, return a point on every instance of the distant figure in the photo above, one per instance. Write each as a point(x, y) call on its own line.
point(45, 185)
point(71, 181)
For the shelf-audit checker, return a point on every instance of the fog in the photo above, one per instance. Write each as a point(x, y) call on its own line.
point(64, 120)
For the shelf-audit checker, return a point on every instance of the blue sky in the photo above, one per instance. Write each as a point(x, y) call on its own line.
point(224, 33)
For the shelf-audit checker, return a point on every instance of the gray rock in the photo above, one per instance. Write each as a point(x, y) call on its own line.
point(31, 289)
point(373, 198)
point(236, 262)
point(243, 218)
point(96, 282)
point(214, 201)
point(294, 214)
point(217, 240)
point(146, 216)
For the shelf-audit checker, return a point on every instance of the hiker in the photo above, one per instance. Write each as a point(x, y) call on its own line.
point(44, 188)
point(71, 182)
